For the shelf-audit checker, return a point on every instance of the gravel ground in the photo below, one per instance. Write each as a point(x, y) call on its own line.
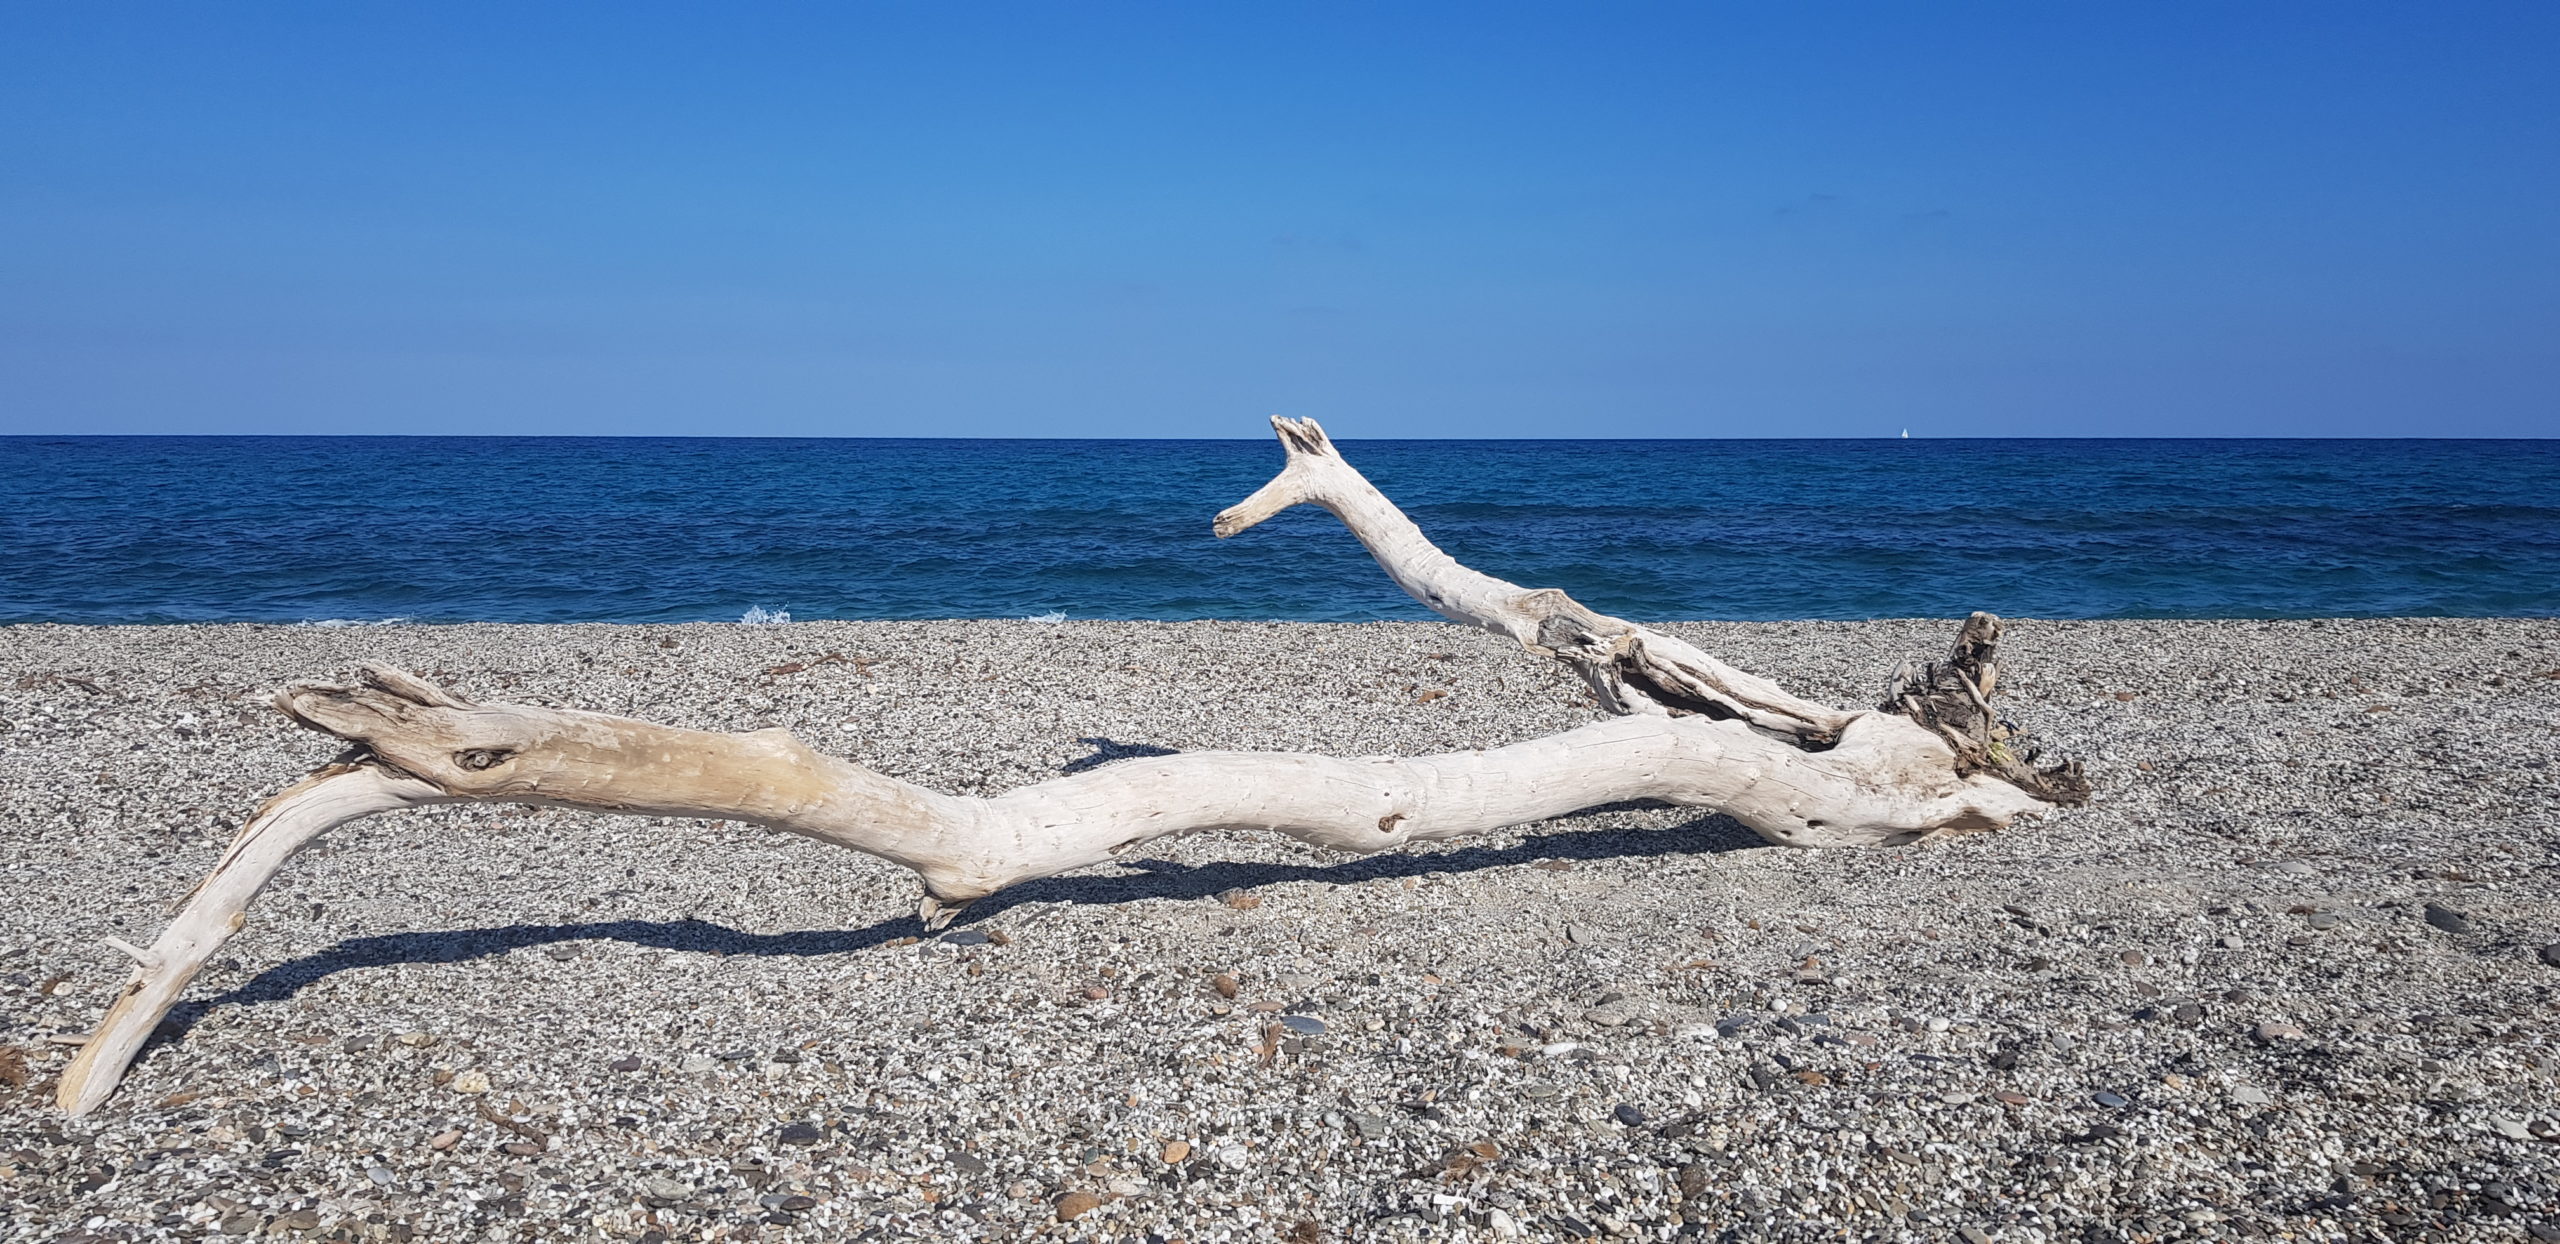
point(2289, 977)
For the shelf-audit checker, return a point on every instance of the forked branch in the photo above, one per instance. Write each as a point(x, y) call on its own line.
point(1695, 733)
point(1632, 668)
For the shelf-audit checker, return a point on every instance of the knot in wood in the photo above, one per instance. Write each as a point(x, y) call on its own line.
point(479, 758)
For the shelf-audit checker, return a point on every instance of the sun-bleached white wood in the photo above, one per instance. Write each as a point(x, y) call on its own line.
point(1693, 732)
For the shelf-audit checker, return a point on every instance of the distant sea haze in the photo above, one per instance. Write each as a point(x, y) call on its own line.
point(348, 529)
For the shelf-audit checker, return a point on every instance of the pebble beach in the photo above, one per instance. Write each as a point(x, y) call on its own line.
point(2293, 975)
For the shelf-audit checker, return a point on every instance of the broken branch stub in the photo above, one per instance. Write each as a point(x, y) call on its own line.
point(1693, 732)
point(1630, 668)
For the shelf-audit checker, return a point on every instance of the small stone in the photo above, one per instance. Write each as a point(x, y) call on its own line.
point(417, 1040)
point(2322, 920)
point(2251, 1095)
point(1627, 1115)
point(2551, 954)
point(1095, 993)
point(659, 1187)
point(1075, 1205)
point(695, 1064)
point(1223, 984)
point(967, 937)
point(380, 1175)
point(2275, 1030)
point(1303, 1025)
point(1175, 1152)
point(1940, 1024)
point(445, 1139)
point(2296, 868)
point(2447, 919)
point(2112, 1101)
point(802, 1134)
point(298, 1221)
point(628, 1062)
point(521, 1148)
point(1575, 934)
point(1241, 900)
point(1370, 1126)
point(2188, 1013)
point(1973, 1234)
point(2134, 958)
point(471, 1082)
point(561, 951)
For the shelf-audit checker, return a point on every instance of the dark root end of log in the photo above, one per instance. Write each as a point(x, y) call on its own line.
point(1952, 697)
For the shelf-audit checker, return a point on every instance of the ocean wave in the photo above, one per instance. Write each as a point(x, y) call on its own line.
point(335, 622)
point(758, 615)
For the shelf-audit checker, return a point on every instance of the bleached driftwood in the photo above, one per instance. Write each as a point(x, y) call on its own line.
point(1695, 733)
point(1635, 669)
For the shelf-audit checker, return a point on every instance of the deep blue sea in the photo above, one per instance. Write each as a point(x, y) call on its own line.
point(312, 529)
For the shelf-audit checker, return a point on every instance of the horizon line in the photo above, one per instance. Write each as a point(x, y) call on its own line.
point(701, 436)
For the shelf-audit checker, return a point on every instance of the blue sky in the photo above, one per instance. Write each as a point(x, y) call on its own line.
point(1407, 220)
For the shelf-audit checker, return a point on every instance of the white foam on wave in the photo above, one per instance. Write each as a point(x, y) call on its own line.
point(334, 622)
point(1051, 616)
point(758, 615)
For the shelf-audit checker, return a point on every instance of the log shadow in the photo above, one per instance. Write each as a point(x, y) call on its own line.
point(1154, 879)
point(1160, 878)
point(1106, 750)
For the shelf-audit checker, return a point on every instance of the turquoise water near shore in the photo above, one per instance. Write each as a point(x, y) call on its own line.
point(313, 529)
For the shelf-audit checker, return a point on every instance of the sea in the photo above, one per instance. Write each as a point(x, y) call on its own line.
point(385, 530)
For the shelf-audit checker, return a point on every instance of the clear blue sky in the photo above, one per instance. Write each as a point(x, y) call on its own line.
point(1576, 219)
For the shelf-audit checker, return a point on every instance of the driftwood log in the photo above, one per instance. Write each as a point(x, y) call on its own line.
point(1933, 761)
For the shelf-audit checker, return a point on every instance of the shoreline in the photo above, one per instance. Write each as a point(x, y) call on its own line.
point(2279, 801)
